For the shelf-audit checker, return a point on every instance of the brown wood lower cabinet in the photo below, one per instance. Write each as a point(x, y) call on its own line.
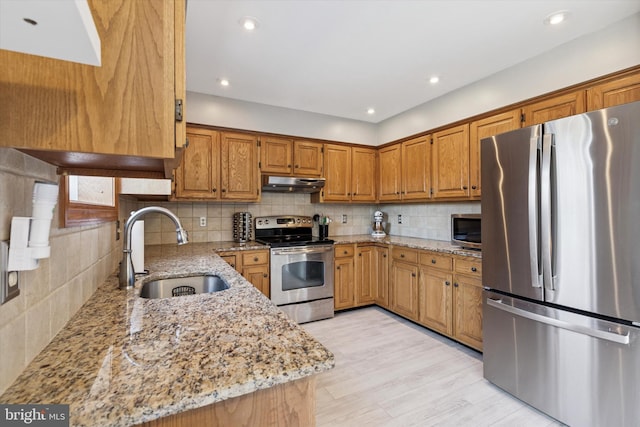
point(467, 301)
point(344, 277)
point(288, 404)
point(253, 265)
point(404, 282)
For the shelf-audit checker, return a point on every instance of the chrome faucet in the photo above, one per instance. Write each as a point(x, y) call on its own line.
point(127, 277)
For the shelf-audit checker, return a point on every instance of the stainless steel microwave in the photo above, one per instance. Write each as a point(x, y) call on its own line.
point(466, 230)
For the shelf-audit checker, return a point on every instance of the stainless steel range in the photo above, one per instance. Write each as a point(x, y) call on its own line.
point(301, 267)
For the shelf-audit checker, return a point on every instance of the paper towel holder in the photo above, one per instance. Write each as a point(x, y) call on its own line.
point(29, 240)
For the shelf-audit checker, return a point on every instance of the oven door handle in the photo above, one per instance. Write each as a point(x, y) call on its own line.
point(302, 250)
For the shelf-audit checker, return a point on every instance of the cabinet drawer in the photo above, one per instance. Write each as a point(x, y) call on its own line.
point(255, 258)
point(404, 254)
point(229, 259)
point(344, 251)
point(435, 260)
point(469, 266)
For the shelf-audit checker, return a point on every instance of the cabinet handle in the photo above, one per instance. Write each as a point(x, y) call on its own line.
point(397, 192)
point(433, 261)
point(214, 190)
point(233, 265)
point(345, 252)
point(288, 166)
point(297, 166)
point(473, 187)
point(360, 254)
point(413, 274)
point(265, 275)
point(255, 259)
point(401, 255)
point(384, 255)
point(447, 283)
point(455, 285)
point(464, 187)
point(338, 268)
point(224, 190)
point(474, 269)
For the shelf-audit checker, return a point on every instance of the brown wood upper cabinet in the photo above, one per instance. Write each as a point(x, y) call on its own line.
point(350, 174)
point(218, 166)
point(485, 128)
point(554, 108)
point(615, 92)
point(404, 170)
point(121, 115)
point(450, 163)
point(290, 157)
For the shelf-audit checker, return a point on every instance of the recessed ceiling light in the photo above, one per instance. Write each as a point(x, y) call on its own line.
point(433, 80)
point(249, 23)
point(556, 17)
point(371, 111)
point(224, 82)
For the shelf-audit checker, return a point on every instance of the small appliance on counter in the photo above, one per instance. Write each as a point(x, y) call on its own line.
point(378, 224)
point(466, 230)
point(242, 227)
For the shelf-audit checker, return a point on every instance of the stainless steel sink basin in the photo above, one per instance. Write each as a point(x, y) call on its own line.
point(179, 286)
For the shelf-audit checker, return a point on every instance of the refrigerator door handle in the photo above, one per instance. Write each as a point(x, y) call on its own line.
point(535, 151)
point(595, 333)
point(545, 213)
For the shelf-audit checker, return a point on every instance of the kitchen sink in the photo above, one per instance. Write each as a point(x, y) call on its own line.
point(180, 286)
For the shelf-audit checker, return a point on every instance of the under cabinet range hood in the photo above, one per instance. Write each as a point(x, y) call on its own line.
point(291, 184)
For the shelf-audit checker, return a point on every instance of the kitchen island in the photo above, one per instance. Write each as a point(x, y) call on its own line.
point(124, 360)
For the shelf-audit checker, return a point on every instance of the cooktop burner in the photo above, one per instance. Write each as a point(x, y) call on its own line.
point(286, 230)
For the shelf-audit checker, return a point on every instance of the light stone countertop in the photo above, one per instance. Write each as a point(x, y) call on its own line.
point(410, 242)
point(124, 360)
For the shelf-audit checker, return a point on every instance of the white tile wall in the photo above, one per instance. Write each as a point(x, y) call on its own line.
point(81, 258)
point(424, 220)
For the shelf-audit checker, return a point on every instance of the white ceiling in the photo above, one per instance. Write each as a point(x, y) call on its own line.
point(342, 57)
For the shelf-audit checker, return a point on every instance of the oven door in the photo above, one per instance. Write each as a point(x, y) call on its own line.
point(302, 273)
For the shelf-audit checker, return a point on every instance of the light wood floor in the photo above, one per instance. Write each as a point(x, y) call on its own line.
point(390, 372)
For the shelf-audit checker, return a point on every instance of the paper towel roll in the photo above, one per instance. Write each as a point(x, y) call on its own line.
point(137, 246)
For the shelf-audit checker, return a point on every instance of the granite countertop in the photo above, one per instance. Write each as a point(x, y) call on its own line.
point(410, 242)
point(124, 360)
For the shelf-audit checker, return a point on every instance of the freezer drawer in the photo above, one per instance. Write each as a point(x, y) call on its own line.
point(580, 370)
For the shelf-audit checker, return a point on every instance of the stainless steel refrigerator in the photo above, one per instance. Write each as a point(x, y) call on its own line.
point(561, 266)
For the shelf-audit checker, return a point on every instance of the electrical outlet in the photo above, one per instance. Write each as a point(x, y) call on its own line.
point(203, 221)
point(399, 218)
point(344, 219)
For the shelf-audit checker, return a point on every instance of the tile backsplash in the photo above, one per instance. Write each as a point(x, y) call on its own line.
point(425, 220)
point(81, 258)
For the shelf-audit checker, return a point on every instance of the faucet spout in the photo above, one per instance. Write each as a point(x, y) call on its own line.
point(127, 276)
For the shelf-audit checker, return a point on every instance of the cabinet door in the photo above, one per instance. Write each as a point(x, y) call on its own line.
point(482, 129)
point(258, 275)
point(390, 173)
point(343, 283)
point(404, 289)
point(198, 176)
point(416, 180)
point(124, 107)
point(554, 108)
point(337, 167)
point(382, 269)
point(239, 167)
point(467, 299)
point(276, 155)
point(435, 300)
point(615, 92)
point(307, 158)
point(366, 275)
point(231, 260)
point(363, 175)
point(450, 163)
